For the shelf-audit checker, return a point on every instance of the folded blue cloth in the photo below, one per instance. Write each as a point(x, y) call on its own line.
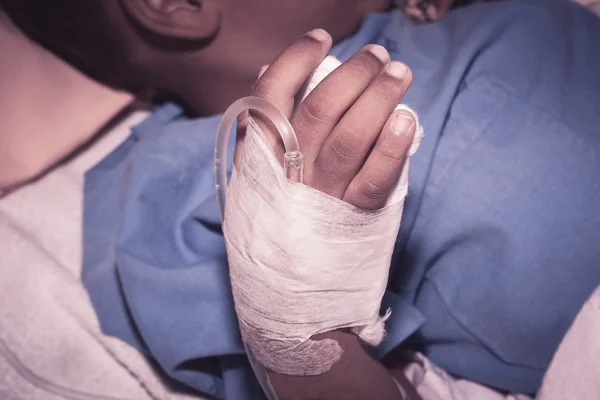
point(499, 245)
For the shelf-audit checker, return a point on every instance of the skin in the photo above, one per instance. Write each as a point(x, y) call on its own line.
point(229, 41)
point(422, 10)
point(205, 53)
point(208, 53)
point(337, 126)
point(250, 34)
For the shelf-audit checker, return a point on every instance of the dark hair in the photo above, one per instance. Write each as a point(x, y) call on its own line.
point(78, 31)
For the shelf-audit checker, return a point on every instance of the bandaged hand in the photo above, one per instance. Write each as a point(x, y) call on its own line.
point(310, 259)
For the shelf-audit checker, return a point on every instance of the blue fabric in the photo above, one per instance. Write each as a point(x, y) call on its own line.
point(499, 245)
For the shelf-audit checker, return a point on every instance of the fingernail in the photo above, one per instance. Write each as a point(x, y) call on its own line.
point(396, 69)
point(262, 70)
point(403, 124)
point(380, 52)
point(319, 34)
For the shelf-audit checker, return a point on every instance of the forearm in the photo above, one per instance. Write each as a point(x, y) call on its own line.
point(355, 376)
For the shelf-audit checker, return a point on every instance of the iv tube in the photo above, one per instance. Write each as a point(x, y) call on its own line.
point(293, 166)
point(293, 163)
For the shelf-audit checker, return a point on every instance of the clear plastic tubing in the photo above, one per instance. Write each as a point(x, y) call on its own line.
point(293, 162)
point(293, 167)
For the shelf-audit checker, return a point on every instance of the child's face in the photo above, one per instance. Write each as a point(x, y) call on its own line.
point(146, 43)
point(250, 34)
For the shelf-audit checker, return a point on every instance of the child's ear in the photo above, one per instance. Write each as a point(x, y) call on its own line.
point(182, 19)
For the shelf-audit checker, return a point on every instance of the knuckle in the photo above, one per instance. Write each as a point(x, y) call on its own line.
point(374, 187)
point(345, 150)
point(390, 90)
point(391, 151)
point(328, 179)
point(315, 112)
point(265, 88)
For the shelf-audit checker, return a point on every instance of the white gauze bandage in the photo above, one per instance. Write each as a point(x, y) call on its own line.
point(302, 262)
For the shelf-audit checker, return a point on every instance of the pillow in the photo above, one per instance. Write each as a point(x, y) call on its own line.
point(47, 108)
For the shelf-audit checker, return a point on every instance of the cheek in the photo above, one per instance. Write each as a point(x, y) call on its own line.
point(284, 21)
point(264, 28)
point(293, 18)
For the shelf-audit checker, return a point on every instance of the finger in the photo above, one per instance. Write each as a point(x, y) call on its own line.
point(374, 182)
point(318, 114)
point(242, 125)
point(347, 147)
point(415, 13)
point(438, 9)
point(415, 9)
point(286, 75)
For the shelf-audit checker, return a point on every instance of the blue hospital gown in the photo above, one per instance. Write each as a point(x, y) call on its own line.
point(499, 245)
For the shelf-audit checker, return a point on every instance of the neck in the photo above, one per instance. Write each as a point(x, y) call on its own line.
point(208, 94)
point(208, 82)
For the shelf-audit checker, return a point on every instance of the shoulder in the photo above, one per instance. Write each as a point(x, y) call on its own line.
point(521, 136)
point(542, 52)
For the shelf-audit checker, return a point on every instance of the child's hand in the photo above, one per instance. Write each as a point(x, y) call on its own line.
point(354, 144)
